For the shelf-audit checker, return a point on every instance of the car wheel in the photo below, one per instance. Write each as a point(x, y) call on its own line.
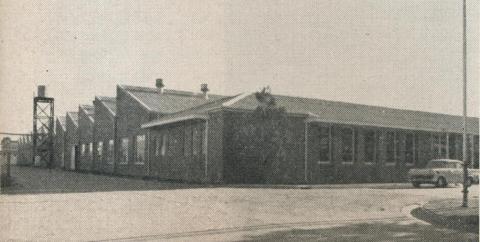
point(441, 182)
point(416, 184)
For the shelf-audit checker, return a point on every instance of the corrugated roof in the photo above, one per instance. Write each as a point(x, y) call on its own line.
point(341, 112)
point(191, 112)
point(331, 111)
point(110, 103)
point(170, 101)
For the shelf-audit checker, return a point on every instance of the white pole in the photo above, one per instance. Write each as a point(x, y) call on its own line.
point(465, 158)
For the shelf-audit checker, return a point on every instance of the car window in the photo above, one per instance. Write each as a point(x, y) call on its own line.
point(452, 165)
point(436, 164)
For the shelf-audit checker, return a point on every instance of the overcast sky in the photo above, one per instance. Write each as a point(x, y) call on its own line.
point(396, 53)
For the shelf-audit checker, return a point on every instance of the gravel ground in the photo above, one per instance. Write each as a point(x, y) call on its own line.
point(133, 209)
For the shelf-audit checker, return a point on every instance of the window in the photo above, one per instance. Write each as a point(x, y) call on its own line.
point(410, 149)
point(157, 145)
point(475, 151)
point(196, 141)
point(90, 150)
point(369, 148)
point(443, 145)
point(140, 150)
point(124, 151)
point(439, 145)
point(452, 152)
point(204, 141)
point(100, 150)
point(324, 148)
point(163, 150)
point(347, 145)
point(110, 151)
point(390, 147)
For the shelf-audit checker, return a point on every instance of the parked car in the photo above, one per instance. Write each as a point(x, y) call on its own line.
point(441, 172)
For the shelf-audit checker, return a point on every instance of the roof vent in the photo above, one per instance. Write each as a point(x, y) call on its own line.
point(204, 89)
point(159, 84)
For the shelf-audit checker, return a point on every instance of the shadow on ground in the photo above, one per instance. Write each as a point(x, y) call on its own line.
point(368, 232)
point(28, 180)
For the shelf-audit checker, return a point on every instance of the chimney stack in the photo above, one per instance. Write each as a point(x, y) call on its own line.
point(159, 84)
point(204, 89)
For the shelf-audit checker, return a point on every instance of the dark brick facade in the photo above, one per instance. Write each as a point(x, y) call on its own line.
point(85, 138)
point(104, 134)
point(59, 145)
point(71, 141)
point(130, 116)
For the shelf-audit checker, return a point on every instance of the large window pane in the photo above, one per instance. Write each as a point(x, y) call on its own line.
point(324, 144)
point(347, 144)
point(163, 148)
point(369, 146)
point(140, 149)
point(124, 151)
point(196, 140)
point(110, 151)
point(390, 147)
point(100, 151)
point(452, 152)
point(475, 152)
point(410, 149)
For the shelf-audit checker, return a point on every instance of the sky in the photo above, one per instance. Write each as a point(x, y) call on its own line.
point(398, 53)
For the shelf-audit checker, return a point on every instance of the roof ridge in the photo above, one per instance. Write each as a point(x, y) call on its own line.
point(165, 91)
point(368, 105)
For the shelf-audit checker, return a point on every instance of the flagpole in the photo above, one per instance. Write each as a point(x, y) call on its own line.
point(465, 158)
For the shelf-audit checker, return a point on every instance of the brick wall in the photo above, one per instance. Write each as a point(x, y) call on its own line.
point(103, 131)
point(130, 116)
point(59, 145)
point(85, 137)
point(71, 139)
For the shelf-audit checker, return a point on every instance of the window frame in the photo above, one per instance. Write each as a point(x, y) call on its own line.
point(374, 150)
point(393, 161)
point(110, 151)
point(352, 145)
point(100, 150)
point(329, 140)
point(136, 162)
point(124, 150)
point(413, 151)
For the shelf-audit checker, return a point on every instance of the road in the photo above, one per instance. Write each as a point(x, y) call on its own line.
point(70, 208)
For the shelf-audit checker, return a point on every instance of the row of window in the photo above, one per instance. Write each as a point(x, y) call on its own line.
point(443, 145)
point(100, 151)
point(193, 144)
point(138, 148)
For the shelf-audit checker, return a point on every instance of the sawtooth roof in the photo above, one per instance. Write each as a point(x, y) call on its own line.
point(74, 117)
point(170, 101)
point(109, 102)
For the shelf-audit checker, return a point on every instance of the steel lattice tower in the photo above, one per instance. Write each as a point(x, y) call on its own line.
point(43, 129)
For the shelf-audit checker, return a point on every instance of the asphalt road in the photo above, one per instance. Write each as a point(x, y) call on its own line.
point(69, 206)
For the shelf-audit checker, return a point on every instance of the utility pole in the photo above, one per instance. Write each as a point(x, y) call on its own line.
point(465, 158)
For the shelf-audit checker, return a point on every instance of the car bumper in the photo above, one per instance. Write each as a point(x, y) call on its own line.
point(422, 179)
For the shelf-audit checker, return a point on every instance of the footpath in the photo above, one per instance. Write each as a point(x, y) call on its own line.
point(451, 214)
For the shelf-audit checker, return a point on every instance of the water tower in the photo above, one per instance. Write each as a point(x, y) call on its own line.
point(43, 129)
